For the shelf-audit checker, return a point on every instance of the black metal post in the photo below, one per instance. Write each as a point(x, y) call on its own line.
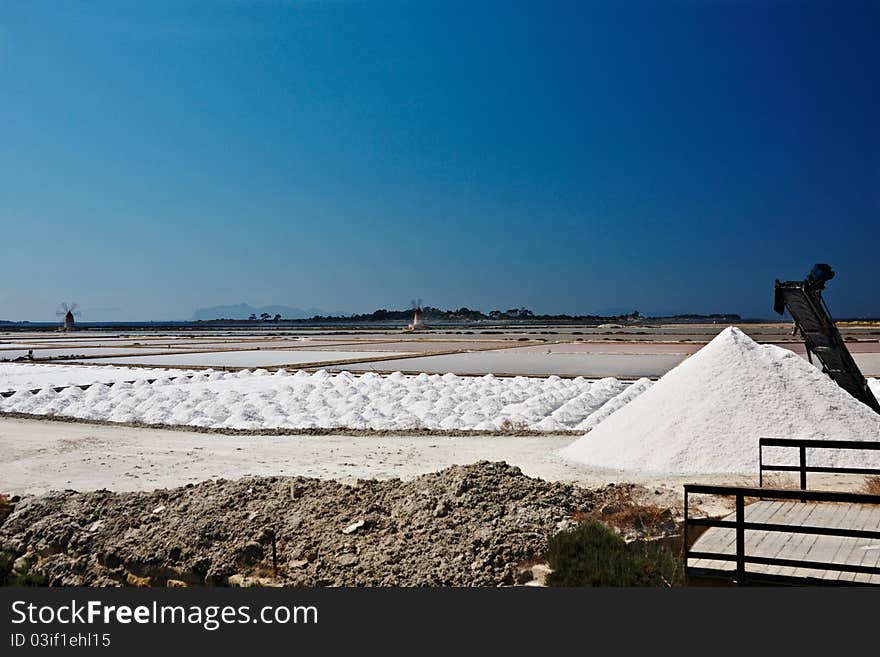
point(760, 464)
point(740, 540)
point(685, 546)
point(803, 456)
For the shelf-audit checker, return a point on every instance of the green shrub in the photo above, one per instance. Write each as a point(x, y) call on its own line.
point(28, 579)
point(592, 554)
point(9, 578)
point(5, 567)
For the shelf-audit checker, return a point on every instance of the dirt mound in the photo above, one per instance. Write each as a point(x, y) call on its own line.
point(464, 526)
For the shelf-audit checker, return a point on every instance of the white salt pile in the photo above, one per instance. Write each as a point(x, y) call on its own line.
point(262, 400)
point(615, 404)
point(706, 415)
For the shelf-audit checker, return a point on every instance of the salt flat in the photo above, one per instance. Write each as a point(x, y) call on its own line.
point(532, 364)
point(76, 350)
point(241, 358)
point(39, 455)
point(530, 349)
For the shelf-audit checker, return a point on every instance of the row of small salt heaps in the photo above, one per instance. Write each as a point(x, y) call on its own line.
point(706, 415)
point(263, 400)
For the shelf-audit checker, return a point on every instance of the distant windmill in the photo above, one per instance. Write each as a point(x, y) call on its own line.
point(418, 322)
point(68, 311)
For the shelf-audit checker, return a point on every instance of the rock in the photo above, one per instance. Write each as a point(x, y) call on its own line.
point(133, 580)
point(523, 575)
point(540, 572)
point(22, 565)
point(243, 581)
point(347, 559)
point(44, 551)
point(176, 584)
point(265, 536)
point(251, 551)
point(236, 580)
point(463, 486)
point(565, 523)
point(353, 527)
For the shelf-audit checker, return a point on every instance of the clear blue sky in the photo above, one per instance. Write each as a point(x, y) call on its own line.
point(156, 157)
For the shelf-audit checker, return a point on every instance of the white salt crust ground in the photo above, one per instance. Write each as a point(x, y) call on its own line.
point(28, 376)
point(264, 400)
point(706, 415)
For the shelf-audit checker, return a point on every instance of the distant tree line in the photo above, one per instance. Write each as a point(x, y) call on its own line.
point(465, 314)
point(264, 317)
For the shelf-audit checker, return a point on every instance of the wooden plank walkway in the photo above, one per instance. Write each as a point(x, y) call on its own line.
point(805, 547)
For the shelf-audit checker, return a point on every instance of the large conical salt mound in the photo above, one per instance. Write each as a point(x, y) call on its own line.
point(706, 415)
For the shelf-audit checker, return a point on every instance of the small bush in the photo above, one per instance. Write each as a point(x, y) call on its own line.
point(28, 579)
point(592, 554)
point(9, 578)
point(5, 566)
point(644, 518)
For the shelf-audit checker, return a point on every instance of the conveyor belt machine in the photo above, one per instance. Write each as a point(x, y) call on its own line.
point(803, 300)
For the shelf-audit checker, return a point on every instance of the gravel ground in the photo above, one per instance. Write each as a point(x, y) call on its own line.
point(475, 525)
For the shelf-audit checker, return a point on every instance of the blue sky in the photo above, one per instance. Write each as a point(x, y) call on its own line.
point(565, 156)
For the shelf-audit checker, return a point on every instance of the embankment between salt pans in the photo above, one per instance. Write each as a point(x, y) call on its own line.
point(314, 431)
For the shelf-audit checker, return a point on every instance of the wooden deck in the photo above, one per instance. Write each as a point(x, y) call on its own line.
point(804, 547)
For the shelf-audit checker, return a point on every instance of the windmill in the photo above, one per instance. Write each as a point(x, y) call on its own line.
point(68, 311)
point(418, 323)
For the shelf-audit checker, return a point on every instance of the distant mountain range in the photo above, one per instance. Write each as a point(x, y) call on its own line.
point(245, 310)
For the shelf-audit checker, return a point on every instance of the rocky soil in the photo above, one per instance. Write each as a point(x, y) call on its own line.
point(476, 525)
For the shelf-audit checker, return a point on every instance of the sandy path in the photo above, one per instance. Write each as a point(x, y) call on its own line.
point(37, 456)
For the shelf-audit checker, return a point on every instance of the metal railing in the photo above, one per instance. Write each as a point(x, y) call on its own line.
point(803, 444)
point(741, 526)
